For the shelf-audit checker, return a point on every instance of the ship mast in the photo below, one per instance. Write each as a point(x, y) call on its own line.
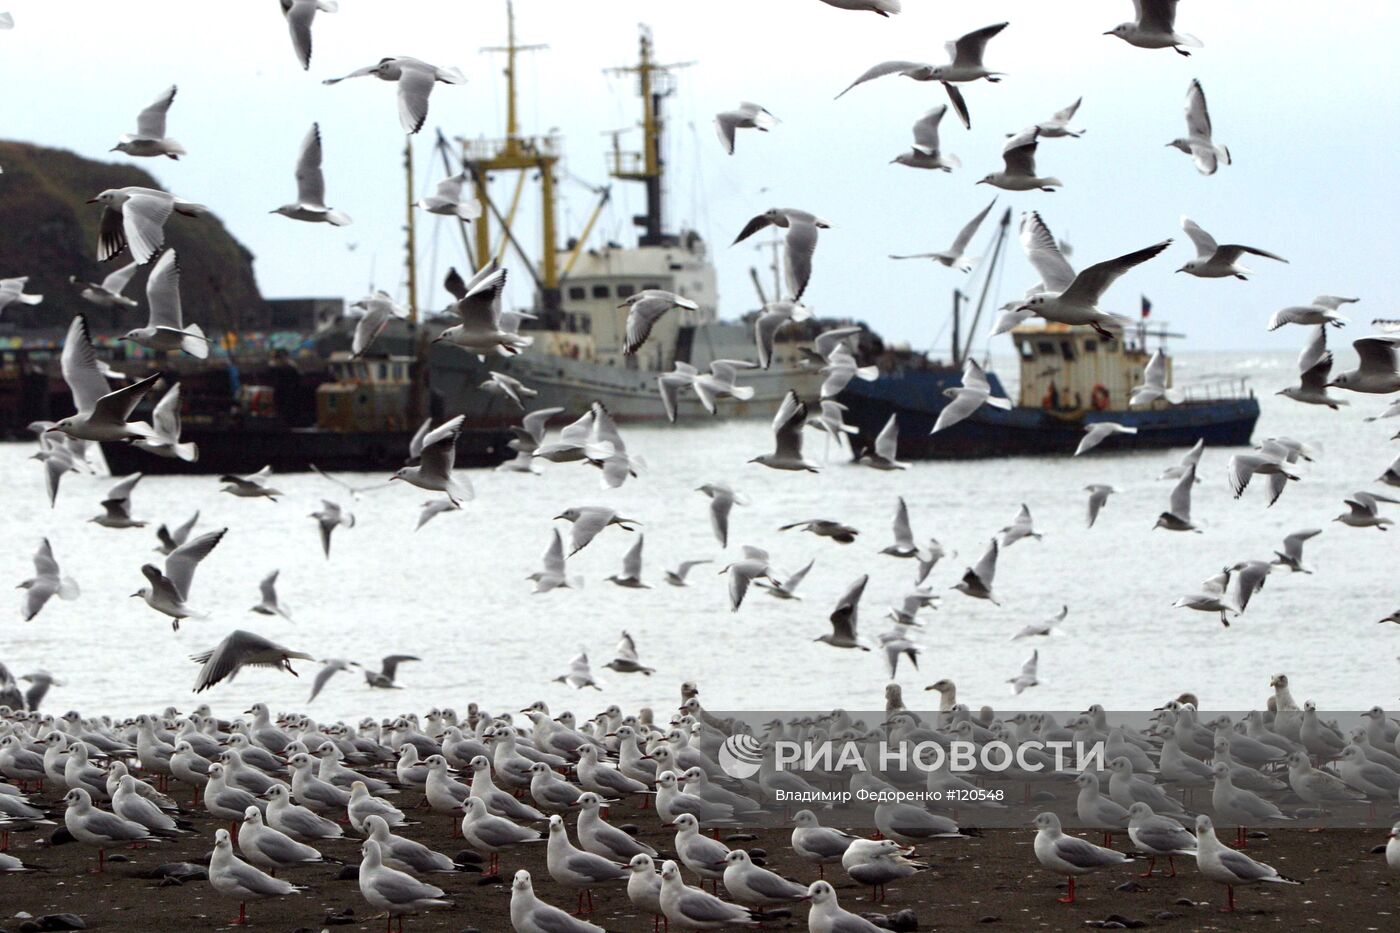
point(411, 243)
point(516, 153)
point(655, 82)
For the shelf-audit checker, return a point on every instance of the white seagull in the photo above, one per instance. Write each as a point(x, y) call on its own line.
point(415, 80)
point(1197, 143)
point(310, 204)
point(165, 328)
point(1214, 260)
point(149, 138)
point(135, 217)
point(954, 257)
point(746, 116)
point(1155, 28)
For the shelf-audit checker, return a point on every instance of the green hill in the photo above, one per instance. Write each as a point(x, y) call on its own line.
point(48, 233)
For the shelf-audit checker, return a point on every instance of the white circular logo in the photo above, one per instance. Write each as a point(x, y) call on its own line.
point(741, 756)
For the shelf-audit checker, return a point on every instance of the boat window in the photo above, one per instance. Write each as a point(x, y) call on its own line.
point(1067, 349)
point(577, 293)
point(1091, 345)
point(1026, 348)
point(652, 285)
point(383, 371)
point(1045, 348)
point(586, 323)
point(626, 291)
point(600, 291)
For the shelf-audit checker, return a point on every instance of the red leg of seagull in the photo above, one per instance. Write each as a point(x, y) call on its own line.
point(242, 919)
point(578, 905)
point(1068, 898)
point(590, 900)
point(400, 923)
point(101, 862)
point(1108, 840)
point(1229, 900)
point(1151, 863)
point(5, 841)
point(821, 870)
point(1240, 839)
point(1172, 863)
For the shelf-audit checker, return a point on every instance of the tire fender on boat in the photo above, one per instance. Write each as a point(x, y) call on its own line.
point(1099, 397)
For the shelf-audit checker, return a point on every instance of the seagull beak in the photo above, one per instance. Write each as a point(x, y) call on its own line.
point(134, 594)
point(92, 200)
point(1109, 33)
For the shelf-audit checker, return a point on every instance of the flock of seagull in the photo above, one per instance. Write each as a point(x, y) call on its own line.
point(293, 791)
point(288, 785)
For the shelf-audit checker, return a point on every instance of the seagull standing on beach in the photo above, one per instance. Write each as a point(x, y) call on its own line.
point(149, 138)
point(393, 891)
point(1223, 865)
point(415, 80)
point(310, 204)
point(1070, 855)
point(233, 877)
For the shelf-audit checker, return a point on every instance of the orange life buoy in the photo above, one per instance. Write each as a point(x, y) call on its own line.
point(1099, 397)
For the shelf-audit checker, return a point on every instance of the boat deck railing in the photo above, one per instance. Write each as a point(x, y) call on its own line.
point(1233, 388)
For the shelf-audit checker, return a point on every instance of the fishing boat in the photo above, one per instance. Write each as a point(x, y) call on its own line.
point(576, 322)
point(1069, 378)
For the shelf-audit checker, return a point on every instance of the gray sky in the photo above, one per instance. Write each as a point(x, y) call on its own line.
point(1302, 94)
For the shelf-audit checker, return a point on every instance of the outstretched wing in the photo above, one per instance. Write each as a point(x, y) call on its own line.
point(150, 123)
point(311, 184)
point(1088, 286)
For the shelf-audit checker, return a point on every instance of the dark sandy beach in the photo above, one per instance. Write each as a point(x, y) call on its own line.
point(991, 882)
